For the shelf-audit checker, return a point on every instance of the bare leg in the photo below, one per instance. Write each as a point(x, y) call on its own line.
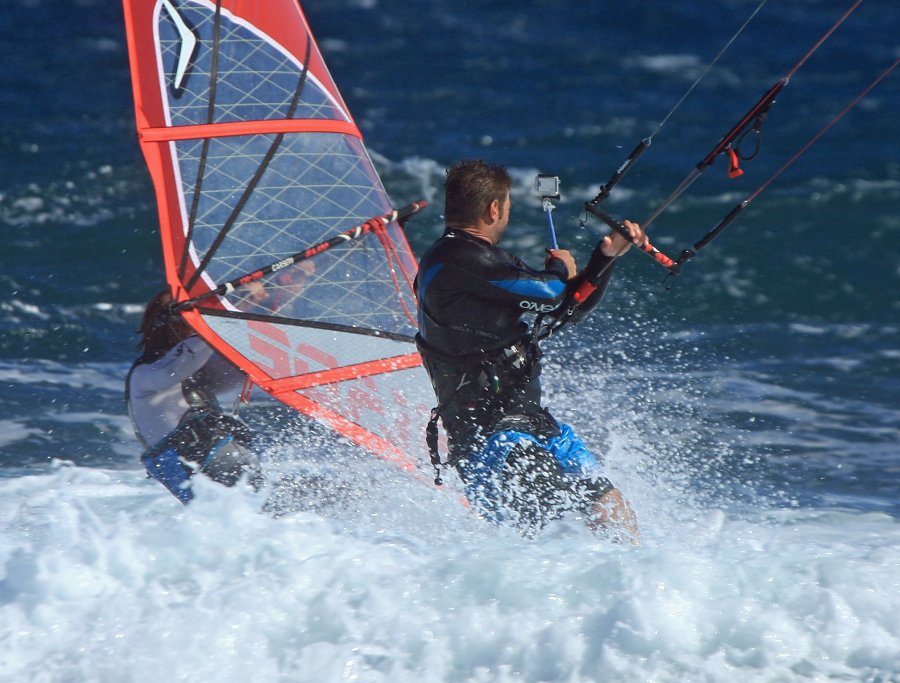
point(613, 514)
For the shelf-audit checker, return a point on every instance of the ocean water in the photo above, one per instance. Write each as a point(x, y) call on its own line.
point(749, 409)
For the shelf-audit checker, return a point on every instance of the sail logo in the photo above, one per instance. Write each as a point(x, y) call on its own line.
point(188, 44)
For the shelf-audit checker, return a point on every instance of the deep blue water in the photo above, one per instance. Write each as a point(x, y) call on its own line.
point(766, 378)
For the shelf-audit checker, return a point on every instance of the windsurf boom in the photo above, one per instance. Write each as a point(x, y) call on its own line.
point(256, 162)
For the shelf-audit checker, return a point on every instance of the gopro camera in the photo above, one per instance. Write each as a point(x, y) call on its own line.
point(547, 186)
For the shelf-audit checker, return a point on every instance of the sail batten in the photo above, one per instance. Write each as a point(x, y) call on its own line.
point(234, 128)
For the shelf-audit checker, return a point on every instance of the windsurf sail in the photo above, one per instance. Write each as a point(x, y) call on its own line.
point(260, 169)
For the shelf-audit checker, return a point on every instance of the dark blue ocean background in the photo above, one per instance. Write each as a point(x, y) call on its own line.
point(764, 381)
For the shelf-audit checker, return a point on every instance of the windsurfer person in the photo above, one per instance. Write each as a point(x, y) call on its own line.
point(518, 464)
point(171, 395)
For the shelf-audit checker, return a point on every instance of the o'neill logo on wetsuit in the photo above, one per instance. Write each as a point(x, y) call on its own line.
point(536, 307)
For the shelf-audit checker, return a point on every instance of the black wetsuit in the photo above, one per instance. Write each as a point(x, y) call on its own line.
point(482, 361)
point(518, 464)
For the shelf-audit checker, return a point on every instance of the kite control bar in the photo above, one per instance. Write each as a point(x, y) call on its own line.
point(674, 266)
point(378, 222)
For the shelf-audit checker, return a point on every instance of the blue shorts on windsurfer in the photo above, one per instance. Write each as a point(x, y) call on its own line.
point(519, 464)
point(171, 392)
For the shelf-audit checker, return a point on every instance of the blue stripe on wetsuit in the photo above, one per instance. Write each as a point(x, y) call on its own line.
point(534, 289)
point(426, 279)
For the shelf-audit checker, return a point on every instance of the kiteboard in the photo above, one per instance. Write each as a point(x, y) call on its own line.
point(280, 244)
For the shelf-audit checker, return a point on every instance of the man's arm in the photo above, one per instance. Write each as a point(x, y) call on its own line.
point(586, 289)
point(502, 277)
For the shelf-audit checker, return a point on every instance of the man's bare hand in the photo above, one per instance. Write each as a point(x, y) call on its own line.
point(614, 244)
point(567, 258)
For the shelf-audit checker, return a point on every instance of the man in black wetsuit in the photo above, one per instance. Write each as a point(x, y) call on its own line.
point(518, 464)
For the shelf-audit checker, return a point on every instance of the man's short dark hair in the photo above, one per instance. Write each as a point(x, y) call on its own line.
point(470, 188)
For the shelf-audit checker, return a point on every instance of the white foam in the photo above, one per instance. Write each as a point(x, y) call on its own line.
point(106, 577)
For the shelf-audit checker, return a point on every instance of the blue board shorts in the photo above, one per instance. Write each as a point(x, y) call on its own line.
point(529, 479)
